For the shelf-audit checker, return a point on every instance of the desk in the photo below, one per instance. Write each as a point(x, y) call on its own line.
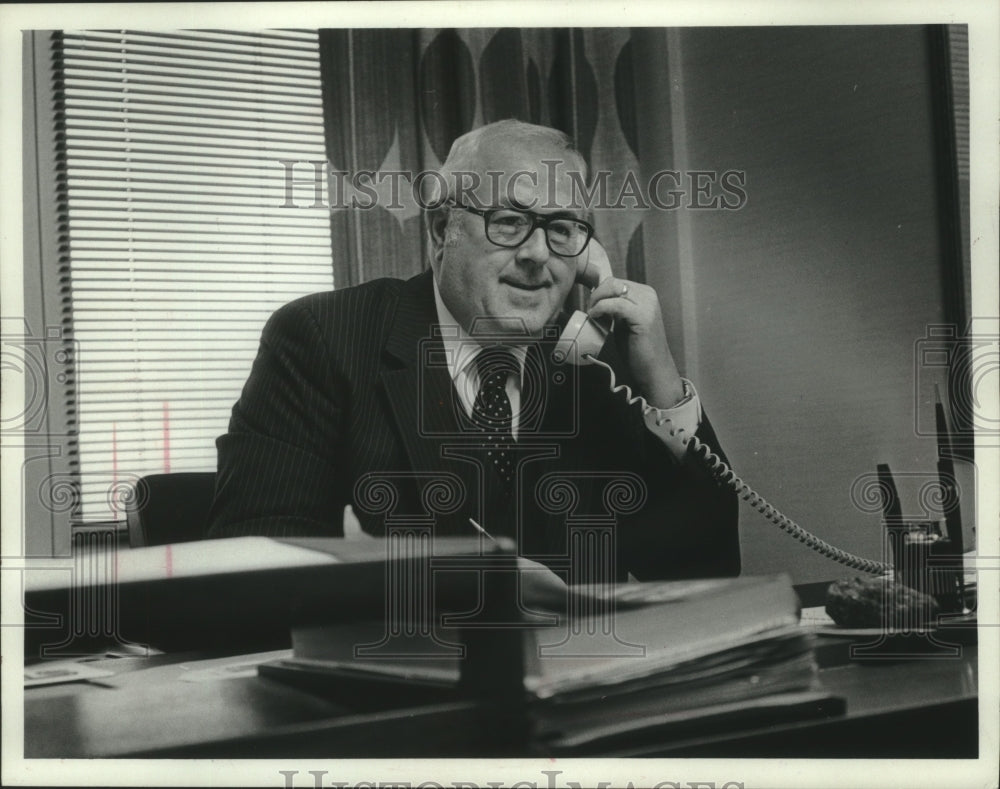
point(917, 708)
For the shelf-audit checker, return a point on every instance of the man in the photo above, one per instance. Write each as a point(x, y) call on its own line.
point(386, 394)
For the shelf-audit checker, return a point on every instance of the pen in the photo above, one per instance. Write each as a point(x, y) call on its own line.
point(891, 510)
point(946, 475)
point(892, 516)
point(952, 513)
point(481, 530)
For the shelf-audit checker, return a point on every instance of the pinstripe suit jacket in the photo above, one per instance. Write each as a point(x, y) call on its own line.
point(349, 401)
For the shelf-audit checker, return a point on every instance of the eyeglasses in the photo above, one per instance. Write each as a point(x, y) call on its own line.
point(511, 227)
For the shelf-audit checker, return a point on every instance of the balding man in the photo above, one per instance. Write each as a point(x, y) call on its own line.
point(450, 377)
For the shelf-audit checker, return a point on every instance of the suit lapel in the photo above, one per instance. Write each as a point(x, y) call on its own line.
point(419, 388)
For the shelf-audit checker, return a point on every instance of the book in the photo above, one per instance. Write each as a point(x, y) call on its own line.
point(640, 653)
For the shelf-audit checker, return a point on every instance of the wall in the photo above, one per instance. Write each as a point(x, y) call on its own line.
point(808, 302)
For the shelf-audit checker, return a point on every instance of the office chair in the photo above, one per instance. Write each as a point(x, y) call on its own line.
point(169, 508)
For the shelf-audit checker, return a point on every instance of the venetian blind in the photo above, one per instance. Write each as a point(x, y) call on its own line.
point(179, 244)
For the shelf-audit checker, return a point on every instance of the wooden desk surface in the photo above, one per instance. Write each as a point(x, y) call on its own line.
point(168, 706)
point(912, 708)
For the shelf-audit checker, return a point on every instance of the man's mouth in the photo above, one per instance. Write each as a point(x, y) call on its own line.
point(529, 286)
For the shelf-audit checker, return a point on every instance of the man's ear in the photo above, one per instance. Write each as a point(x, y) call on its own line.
point(436, 224)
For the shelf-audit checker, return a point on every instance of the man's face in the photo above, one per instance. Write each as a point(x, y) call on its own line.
point(525, 285)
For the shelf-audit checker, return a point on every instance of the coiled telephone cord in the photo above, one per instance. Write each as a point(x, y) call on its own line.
point(727, 476)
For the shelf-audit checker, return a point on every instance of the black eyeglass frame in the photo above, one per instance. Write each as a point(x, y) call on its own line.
point(537, 220)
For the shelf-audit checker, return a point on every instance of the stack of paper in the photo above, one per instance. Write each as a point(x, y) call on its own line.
point(644, 652)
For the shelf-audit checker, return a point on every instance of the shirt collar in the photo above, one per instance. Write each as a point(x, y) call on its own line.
point(460, 348)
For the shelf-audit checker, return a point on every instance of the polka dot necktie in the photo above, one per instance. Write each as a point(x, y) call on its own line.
point(491, 412)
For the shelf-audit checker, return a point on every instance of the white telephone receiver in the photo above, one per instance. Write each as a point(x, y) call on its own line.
point(582, 341)
point(584, 337)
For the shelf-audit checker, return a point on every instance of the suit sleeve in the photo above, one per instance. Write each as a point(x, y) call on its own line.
point(278, 463)
point(688, 526)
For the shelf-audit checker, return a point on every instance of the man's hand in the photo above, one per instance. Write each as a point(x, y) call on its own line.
point(540, 586)
point(636, 307)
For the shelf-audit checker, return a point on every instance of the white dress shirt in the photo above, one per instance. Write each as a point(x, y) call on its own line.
point(461, 350)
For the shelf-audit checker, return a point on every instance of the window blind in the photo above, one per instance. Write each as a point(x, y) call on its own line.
point(179, 246)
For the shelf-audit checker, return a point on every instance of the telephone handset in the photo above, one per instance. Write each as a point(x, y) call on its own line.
point(584, 337)
point(582, 341)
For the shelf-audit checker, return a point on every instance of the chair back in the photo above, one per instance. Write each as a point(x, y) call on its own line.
point(169, 508)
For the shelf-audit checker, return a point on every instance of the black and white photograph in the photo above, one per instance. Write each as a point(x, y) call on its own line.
point(500, 394)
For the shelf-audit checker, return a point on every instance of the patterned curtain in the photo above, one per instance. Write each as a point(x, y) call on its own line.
point(396, 99)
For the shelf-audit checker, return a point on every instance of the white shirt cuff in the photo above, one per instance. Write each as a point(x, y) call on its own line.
point(682, 420)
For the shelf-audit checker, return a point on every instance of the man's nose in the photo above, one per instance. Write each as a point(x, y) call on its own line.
point(535, 249)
